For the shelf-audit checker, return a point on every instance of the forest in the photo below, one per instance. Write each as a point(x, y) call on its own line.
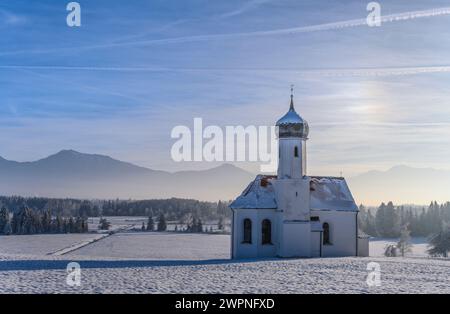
point(387, 220)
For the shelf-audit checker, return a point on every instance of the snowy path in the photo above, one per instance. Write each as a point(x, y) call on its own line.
point(79, 245)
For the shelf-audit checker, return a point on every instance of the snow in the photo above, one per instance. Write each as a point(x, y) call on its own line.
point(328, 193)
point(160, 245)
point(41, 244)
point(257, 195)
point(135, 262)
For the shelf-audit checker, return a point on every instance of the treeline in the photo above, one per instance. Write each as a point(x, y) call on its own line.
point(388, 220)
point(193, 226)
point(30, 221)
point(173, 209)
point(64, 207)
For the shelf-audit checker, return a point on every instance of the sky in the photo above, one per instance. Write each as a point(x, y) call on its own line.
point(374, 97)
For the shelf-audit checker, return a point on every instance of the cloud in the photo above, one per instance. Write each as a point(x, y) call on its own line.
point(398, 17)
point(332, 72)
point(8, 18)
point(247, 6)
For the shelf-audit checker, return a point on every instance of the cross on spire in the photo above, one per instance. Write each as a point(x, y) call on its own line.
point(292, 98)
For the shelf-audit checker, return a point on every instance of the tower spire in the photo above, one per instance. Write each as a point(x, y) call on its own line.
point(291, 107)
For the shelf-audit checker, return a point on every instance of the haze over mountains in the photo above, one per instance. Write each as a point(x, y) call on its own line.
point(73, 174)
point(77, 175)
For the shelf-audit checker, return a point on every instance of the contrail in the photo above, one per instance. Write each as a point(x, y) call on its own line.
point(285, 31)
point(334, 72)
point(295, 30)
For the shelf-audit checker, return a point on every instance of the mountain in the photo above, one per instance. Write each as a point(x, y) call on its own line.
point(73, 174)
point(402, 185)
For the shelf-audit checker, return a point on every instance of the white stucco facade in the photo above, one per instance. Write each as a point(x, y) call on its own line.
point(293, 214)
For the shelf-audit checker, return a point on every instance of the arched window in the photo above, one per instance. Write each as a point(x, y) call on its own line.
point(326, 233)
point(247, 231)
point(295, 151)
point(266, 231)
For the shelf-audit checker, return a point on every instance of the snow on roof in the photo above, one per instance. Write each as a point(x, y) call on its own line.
point(327, 193)
point(331, 193)
point(258, 194)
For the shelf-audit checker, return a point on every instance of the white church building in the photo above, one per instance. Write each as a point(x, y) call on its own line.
point(293, 214)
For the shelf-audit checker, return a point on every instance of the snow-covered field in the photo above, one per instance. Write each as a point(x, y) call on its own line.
point(199, 263)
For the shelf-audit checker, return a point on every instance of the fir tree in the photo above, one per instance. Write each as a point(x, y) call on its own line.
point(4, 219)
point(162, 225)
point(404, 243)
point(220, 225)
point(199, 227)
point(150, 224)
point(440, 242)
point(7, 230)
point(104, 224)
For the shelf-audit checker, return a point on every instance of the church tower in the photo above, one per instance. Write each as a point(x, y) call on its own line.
point(292, 136)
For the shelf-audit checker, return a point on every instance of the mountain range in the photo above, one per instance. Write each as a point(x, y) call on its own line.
point(78, 175)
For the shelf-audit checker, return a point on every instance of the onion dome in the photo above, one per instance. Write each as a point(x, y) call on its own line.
point(291, 124)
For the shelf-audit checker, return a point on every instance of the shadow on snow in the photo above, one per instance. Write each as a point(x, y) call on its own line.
point(17, 265)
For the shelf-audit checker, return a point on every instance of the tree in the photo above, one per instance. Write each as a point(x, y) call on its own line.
point(380, 220)
point(4, 219)
point(387, 221)
point(104, 224)
point(70, 226)
point(162, 225)
point(220, 225)
point(150, 224)
point(46, 221)
point(440, 242)
point(7, 230)
point(404, 243)
point(199, 227)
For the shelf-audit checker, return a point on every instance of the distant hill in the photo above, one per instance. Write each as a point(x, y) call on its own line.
point(401, 184)
point(73, 174)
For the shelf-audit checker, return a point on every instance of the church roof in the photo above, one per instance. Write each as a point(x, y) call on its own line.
point(291, 117)
point(258, 194)
point(331, 193)
point(327, 193)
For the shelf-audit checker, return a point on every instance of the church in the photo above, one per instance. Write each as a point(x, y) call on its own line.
point(293, 214)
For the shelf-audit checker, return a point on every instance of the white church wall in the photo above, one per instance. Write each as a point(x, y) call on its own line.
point(293, 198)
point(363, 247)
point(291, 166)
point(295, 239)
point(316, 239)
point(255, 248)
point(342, 232)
